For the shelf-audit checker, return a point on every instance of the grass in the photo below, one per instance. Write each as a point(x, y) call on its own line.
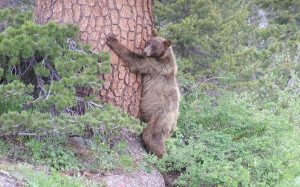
point(29, 175)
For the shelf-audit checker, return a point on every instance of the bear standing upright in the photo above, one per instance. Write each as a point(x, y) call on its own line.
point(160, 95)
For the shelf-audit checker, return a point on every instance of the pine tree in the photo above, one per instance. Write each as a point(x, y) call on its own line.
point(131, 21)
point(223, 40)
point(40, 67)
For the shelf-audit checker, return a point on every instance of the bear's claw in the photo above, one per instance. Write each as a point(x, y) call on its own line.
point(110, 40)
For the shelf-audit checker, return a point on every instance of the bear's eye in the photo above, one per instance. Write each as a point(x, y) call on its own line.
point(153, 48)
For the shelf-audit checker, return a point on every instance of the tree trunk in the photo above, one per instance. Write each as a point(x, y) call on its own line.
point(130, 20)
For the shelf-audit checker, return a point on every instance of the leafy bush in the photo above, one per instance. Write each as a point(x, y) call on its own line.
point(232, 141)
point(105, 157)
point(55, 156)
point(51, 151)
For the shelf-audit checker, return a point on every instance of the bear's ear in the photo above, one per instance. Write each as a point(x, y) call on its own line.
point(154, 33)
point(167, 43)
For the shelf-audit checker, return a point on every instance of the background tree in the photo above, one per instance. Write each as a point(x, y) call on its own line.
point(233, 72)
point(222, 39)
point(131, 21)
point(203, 31)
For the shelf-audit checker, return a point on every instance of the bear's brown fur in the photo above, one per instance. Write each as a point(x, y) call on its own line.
point(160, 95)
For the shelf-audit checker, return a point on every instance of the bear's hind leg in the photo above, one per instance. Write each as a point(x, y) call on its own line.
point(154, 141)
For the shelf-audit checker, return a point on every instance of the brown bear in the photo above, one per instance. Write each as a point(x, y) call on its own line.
point(160, 95)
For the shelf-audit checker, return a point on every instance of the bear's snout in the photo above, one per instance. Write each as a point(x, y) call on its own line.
point(144, 53)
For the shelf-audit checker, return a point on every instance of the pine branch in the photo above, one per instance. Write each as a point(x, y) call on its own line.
point(39, 78)
point(90, 103)
point(28, 67)
point(53, 72)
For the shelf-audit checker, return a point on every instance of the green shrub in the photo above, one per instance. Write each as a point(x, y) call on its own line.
point(40, 68)
point(232, 141)
point(55, 156)
point(109, 157)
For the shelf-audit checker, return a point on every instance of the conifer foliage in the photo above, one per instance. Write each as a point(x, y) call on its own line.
point(224, 39)
point(40, 67)
point(239, 66)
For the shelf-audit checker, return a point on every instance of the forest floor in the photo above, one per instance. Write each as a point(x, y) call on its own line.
point(8, 178)
point(17, 169)
point(12, 174)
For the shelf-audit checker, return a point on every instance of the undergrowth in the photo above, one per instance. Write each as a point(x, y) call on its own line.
point(59, 153)
point(234, 140)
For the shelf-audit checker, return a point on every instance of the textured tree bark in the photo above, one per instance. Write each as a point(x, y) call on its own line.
point(130, 20)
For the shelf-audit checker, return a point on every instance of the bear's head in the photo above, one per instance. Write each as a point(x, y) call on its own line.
point(156, 47)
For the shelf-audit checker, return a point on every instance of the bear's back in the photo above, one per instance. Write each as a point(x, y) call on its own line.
point(160, 92)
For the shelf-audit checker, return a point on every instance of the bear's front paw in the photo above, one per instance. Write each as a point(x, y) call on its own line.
point(111, 40)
